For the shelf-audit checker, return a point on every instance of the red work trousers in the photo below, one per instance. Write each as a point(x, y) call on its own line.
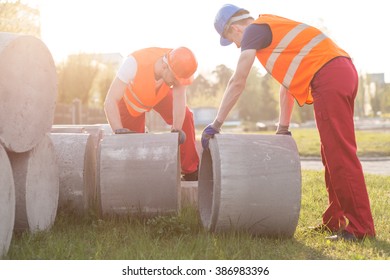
point(334, 89)
point(189, 158)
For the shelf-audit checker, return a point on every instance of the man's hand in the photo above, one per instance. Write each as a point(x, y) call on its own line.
point(123, 131)
point(283, 130)
point(182, 135)
point(208, 133)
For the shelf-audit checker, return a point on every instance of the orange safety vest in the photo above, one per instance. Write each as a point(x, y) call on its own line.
point(296, 53)
point(141, 94)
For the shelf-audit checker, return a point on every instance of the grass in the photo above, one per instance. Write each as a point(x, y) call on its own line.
point(182, 237)
point(370, 143)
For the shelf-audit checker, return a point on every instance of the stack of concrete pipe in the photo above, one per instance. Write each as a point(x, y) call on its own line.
point(249, 182)
point(119, 174)
point(29, 172)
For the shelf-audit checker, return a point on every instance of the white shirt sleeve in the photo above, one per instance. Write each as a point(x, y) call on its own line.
point(128, 69)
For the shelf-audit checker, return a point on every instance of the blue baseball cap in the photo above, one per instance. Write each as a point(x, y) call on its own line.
point(222, 18)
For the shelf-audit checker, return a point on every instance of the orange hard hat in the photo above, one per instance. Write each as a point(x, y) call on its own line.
point(183, 64)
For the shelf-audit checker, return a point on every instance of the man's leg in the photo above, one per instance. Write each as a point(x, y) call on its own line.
point(333, 217)
point(188, 155)
point(334, 90)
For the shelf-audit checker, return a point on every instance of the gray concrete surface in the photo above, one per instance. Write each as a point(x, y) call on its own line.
point(36, 178)
point(28, 91)
point(130, 166)
point(7, 202)
point(378, 166)
point(251, 182)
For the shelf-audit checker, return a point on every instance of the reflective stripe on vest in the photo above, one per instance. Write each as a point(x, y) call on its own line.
point(287, 39)
point(135, 107)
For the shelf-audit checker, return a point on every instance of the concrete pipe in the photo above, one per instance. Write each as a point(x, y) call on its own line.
point(103, 129)
point(28, 91)
point(250, 182)
point(67, 129)
point(96, 130)
point(79, 128)
point(76, 157)
point(139, 173)
point(7, 202)
point(36, 186)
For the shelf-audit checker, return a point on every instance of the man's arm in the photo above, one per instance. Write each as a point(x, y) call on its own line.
point(179, 107)
point(114, 95)
point(236, 84)
point(233, 91)
point(125, 75)
point(286, 105)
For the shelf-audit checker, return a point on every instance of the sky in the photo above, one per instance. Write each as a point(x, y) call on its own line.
point(123, 26)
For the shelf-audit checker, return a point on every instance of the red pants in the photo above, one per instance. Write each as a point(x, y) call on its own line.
point(334, 89)
point(188, 154)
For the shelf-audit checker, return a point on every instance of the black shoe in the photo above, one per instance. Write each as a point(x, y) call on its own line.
point(190, 176)
point(321, 228)
point(344, 236)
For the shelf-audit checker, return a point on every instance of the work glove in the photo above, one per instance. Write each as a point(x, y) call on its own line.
point(283, 130)
point(209, 132)
point(182, 135)
point(123, 131)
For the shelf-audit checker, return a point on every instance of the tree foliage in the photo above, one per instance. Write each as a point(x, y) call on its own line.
point(205, 93)
point(104, 79)
point(222, 74)
point(385, 100)
point(17, 17)
point(200, 92)
point(359, 100)
point(76, 77)
point(258, 101)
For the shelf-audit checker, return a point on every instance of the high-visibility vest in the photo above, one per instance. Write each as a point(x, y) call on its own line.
point(296, 53)
point(141, 94)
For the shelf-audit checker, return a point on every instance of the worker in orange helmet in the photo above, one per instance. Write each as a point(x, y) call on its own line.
point(156, 78)
point(311, 68)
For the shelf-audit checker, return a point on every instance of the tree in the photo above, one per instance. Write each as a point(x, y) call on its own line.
point(76, 77)
point(199, 91)
point(223, 74)
point(17, 17)
point(386, 101)
point(102, 83)
point(258, 101)
point(359, 100)
point(302, 114)
point(205, 93)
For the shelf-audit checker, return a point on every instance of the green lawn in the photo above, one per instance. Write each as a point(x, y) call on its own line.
point(183, 237)
point(370, 143)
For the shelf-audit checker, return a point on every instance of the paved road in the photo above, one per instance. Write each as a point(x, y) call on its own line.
point(379, 166)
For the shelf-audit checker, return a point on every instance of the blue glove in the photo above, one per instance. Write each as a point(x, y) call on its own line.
point(208, 133)
point(182, 135)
